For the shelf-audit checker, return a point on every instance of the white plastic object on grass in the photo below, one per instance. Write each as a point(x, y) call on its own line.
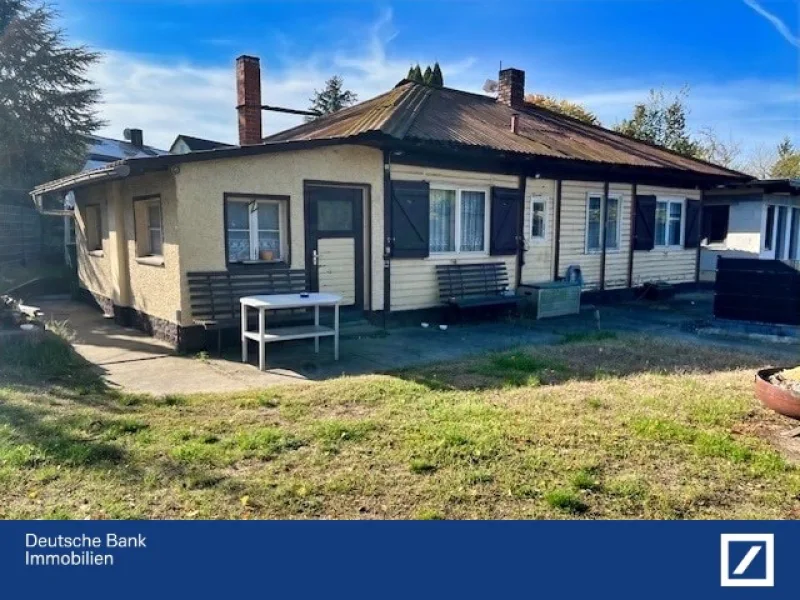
point(443, 327)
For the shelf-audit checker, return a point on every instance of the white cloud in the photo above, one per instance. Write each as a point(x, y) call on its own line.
point(166, 96)
point(782, 28)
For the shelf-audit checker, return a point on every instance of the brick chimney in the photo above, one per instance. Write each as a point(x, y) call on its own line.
point(511, 87)
point(248, 99)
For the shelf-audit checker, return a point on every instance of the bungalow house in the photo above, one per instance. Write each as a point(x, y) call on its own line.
point(759, 219)
point(369, 200)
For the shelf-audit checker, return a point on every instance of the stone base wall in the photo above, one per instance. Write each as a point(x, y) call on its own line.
point(184, 339)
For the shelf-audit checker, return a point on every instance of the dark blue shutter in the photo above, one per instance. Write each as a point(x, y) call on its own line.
point(504, 223)
point(645, 225)
point(410, 219)
point(691, 238)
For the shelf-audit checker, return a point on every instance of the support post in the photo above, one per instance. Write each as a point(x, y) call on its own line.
point(603, 215)
point(557, 231)
point(632, 236)
point(700, 241)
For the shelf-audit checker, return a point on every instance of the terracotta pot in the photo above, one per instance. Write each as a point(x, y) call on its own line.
point(779, 399)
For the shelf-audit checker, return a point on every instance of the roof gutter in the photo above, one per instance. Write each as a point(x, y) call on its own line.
point(118, 170)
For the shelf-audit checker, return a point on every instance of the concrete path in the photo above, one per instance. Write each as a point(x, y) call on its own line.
point(135, 362)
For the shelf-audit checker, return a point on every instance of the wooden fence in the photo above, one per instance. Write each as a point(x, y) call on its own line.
point(748, 289)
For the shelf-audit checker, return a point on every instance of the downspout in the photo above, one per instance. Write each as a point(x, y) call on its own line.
point(603, 214)
point(523, 181)
point(387, 229)
point(632, 238)
point(700, 236)
point(557, 231)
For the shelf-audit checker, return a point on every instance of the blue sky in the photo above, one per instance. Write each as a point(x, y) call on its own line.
point(168, 64)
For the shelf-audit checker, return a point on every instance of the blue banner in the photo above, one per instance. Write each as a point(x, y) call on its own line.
point(375, 560)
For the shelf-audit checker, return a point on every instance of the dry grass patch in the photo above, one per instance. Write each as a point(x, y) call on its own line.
point(596, 428)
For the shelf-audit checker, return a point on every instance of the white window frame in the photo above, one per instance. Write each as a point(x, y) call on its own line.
point(459, 189)
point(670, 200)
point(253, 230)
point(540, 199)
point(616, 248)
point(787, 234)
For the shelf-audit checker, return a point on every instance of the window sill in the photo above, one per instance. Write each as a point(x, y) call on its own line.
point(153, 261)
point(97, 253)
point(455, 255)
point(669, 249)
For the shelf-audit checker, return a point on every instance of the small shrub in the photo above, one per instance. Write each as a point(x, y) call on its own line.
point(585, 480)
point(429, 514)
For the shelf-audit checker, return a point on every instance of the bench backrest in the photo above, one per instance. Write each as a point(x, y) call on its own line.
point(214, 295)
point(471, 280)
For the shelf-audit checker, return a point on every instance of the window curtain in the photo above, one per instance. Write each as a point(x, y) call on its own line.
point(238, 217)
point(443, 220)
point(661, 224)
point(675, 210)
point(537, 220)
point(473, 220)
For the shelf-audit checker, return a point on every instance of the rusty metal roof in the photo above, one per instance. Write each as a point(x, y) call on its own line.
point(417, 112)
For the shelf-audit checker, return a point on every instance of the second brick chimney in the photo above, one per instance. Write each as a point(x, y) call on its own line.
point(248, 99)
point(511, 87)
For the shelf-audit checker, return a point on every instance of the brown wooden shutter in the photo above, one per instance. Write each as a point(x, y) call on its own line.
point(504, 223)
point(691, 238)
point(645, 223)
point(410, 219)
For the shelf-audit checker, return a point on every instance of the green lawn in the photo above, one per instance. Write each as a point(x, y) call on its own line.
point(628, 427)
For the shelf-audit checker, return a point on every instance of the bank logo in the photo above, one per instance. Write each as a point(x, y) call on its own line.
point(748, 560)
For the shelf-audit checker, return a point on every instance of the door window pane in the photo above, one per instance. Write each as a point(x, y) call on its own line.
point(780, 233)
point(770, 224)
point(794, 235)
point(443, 221)
point(335, 215)
point(473, 220)
point(537, 220)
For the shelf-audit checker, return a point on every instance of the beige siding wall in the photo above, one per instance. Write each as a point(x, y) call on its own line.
point(539, 253)
point(200, 187)
point(674, 266)
point(414, 283)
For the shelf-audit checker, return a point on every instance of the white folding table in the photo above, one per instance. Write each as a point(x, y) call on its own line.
point(265, 336)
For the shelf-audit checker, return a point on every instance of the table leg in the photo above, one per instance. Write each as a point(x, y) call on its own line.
point(244, 330)
point(336, 332)
point(262, 346)
point(316, 324)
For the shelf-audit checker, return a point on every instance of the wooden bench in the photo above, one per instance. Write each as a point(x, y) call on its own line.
point(474, 285)
point(214, 295)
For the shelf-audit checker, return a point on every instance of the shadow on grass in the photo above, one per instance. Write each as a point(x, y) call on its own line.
point(582, 358)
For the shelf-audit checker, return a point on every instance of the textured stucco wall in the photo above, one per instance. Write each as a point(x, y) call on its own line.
point(94, 268)
point(200, 188)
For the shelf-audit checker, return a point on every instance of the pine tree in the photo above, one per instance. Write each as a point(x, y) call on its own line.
point(437, 79)
point(332, 98)
point(410, 75)
point(417, 75)
point(47, 105)
point(426, 78)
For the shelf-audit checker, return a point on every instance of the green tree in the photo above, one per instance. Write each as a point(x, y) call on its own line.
point(47, 104)
point(565, 107)
point(661, 120)
point(788, 163)
point(332, 98)
point(426, 77)
point(416, 74)
point(437, 79)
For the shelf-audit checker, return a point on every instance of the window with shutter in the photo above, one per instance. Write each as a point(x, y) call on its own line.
point(693, 224)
